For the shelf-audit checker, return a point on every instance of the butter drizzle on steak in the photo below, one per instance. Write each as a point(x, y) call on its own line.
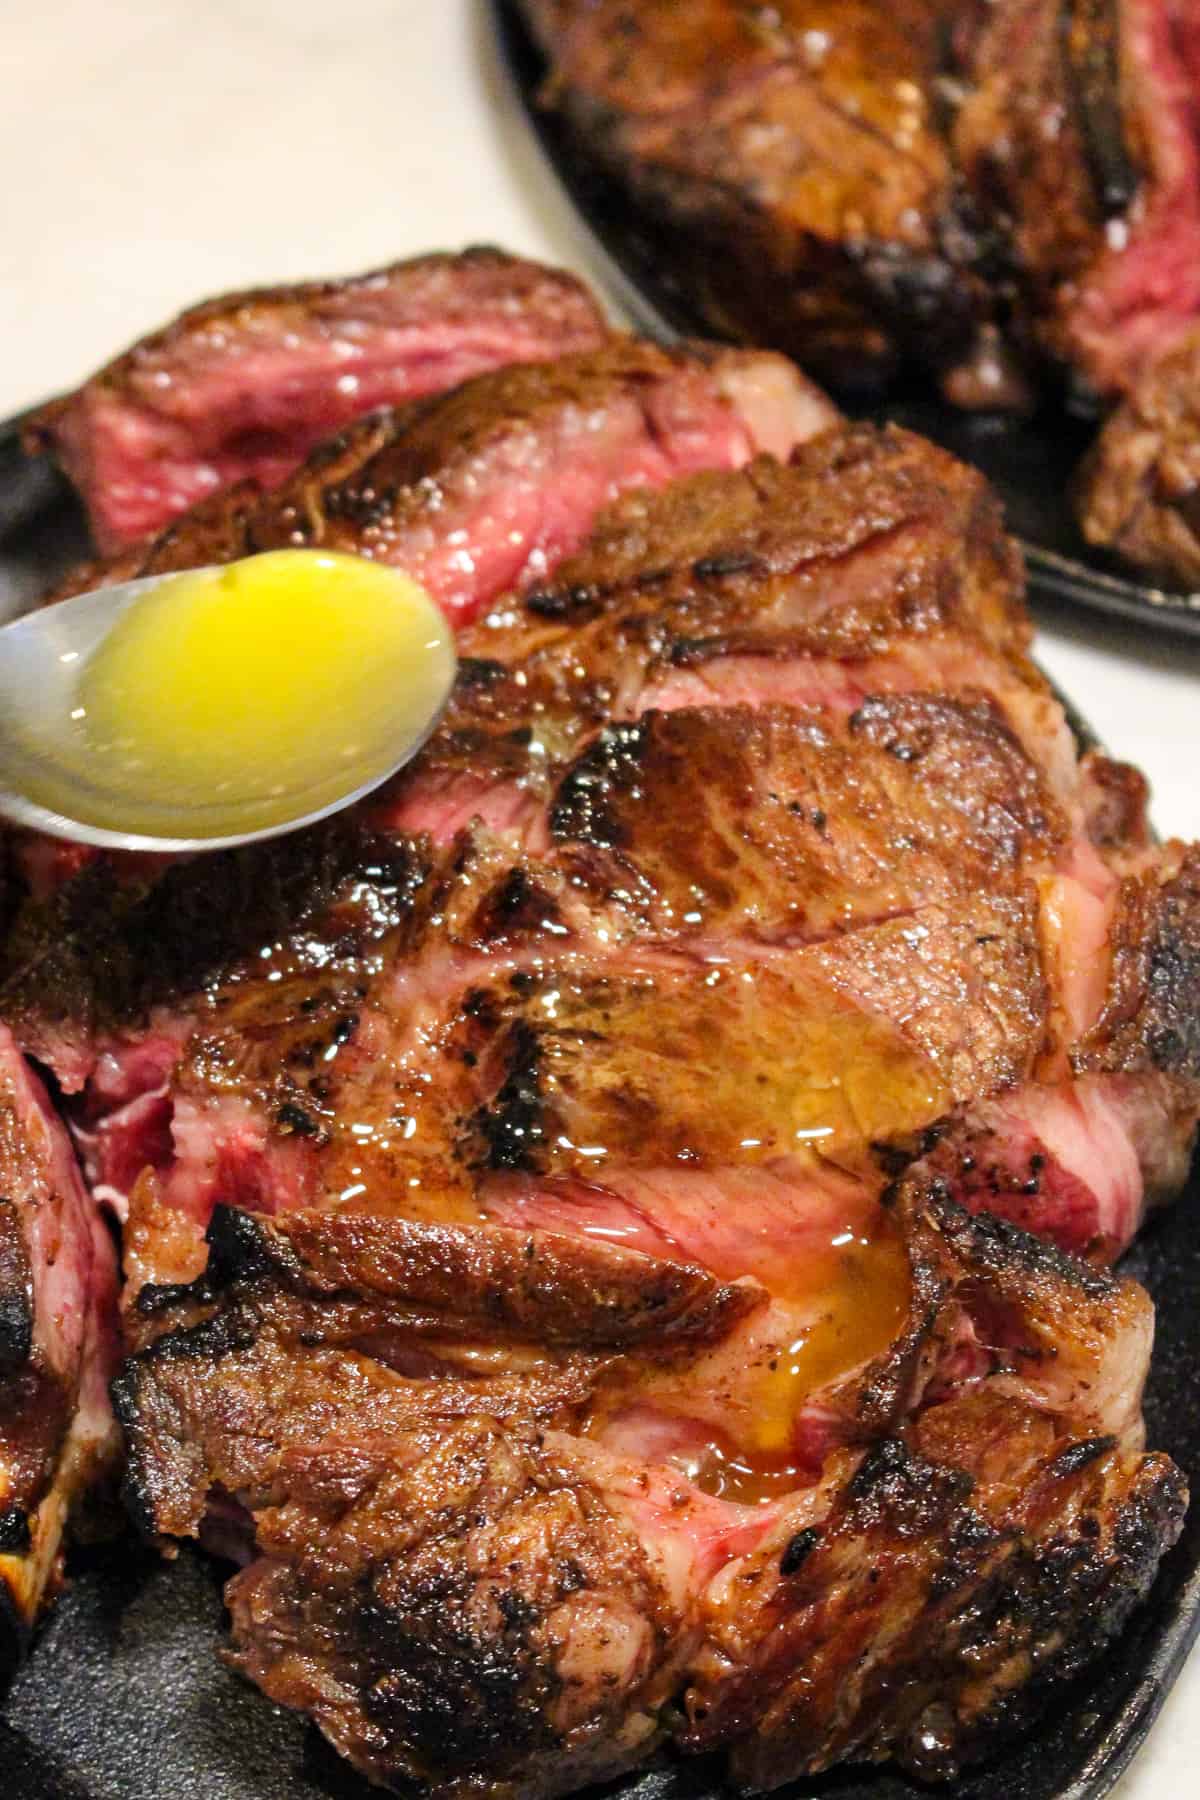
point(550, 1245)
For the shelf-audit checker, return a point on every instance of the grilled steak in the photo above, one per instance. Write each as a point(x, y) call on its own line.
point(805, 141)
point(57, 1344)
point(517, 1566)
point(978, 188)
point(481, 489)
point(242, 387)
point(555, 1255)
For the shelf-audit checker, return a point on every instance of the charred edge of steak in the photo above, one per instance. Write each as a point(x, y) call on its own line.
point(1151, 1017)
point(1090, 37)
point(512, 1129)
point(105, 949)
point(992, 1245)
point(241, 1251)
point(16, 1293)
point(608, 766)
point(892, 1485)
point(1022, 1604)
point(1172, 1005)
point(134, 1403)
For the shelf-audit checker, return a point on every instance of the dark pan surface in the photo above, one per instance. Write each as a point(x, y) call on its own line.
point(1030, 461)
point(125, 1698)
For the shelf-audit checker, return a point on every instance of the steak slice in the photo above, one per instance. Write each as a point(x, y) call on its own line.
point(58, 1345)
point(243, 387)
point(999, 193)
point(806, 141)
point(481, 490)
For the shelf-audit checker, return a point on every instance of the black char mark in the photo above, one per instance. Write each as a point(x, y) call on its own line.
point(16, 1293)
point(1090, 37)
point(611, 765)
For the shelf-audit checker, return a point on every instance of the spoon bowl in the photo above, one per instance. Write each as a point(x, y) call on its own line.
point(208, 708)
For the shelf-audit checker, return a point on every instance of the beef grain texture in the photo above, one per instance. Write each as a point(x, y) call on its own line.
point(240, 388)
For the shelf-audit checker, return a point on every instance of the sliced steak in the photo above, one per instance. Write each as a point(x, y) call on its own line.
point(481, 490)
point(549, 1187)
point(998, 192)
point(242, 387)
point(58, 1344)
point(870, 566)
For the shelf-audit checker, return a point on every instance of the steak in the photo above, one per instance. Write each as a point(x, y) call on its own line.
point(479, 490)
point(243, 387)
point(518, 1573)
point(987, 192)
point(805, 140)
point(597, 1213)
point(58, 1345)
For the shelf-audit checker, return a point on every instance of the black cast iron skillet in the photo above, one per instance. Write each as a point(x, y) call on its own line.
point(1030, 461)
point(124, 1697)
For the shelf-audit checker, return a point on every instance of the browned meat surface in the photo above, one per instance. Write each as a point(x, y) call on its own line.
point(553, 1190)
point(804, 140)
point(1140, 489)
point(243, 386)
point(977, 187)
point(482, 489)
point(57, 1345)
point(472, 1572)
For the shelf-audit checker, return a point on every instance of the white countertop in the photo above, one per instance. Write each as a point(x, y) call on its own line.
point(159, 151)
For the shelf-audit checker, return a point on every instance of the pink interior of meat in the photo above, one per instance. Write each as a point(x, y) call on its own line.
point(247, 391)
point(255, 416)
point(538, 501)
point(1145, 291)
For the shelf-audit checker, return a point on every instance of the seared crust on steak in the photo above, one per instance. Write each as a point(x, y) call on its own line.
point(628, 413)
point(542, 1641)
point(1151, 1015)
point(963, 1587)
point(423, 1556)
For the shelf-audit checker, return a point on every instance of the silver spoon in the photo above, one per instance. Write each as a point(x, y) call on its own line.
point(55, 779)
